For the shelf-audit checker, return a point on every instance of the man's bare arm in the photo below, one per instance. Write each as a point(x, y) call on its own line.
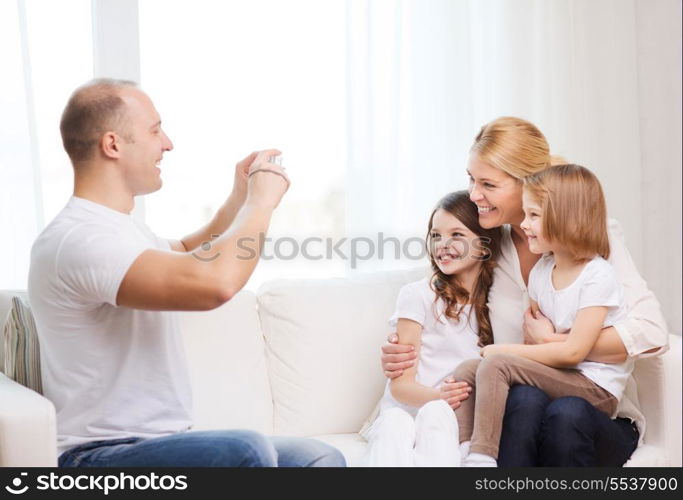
point(221, 221)
point(159, 280)
point(225, 216)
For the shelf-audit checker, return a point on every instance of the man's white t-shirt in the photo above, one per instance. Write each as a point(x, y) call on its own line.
point(111, 372)
point(444, 343)
point(596, 285)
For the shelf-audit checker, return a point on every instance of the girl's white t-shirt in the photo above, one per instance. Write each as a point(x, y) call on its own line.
point(596, 285)
point(444, 343)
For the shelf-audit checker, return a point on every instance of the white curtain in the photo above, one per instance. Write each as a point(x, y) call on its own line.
point(595, 76)
point(424, 76)
point(45, 52)
point(410, 114)
point(20, 200)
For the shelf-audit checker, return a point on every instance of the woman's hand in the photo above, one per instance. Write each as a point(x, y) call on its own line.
point(537, 328)
point(396, 357)
point(454, 393)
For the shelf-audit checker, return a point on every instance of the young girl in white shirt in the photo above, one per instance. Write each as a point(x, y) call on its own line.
point(445, 318)
point(575, 287)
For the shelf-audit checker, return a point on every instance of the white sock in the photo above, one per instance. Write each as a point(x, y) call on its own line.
point(464, 450)
point(479, 460)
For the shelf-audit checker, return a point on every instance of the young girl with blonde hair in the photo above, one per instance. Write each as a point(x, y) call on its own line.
point(572, 285)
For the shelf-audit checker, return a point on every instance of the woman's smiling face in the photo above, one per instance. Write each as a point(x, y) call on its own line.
point(498, 196)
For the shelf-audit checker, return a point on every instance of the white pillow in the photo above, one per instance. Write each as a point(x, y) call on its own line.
point(323, 341)
point(227, 363)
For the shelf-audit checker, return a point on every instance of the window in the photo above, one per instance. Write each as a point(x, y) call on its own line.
point(42, 61)
point(232, 77)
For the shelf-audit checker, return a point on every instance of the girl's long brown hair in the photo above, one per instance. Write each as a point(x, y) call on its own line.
point(448, 287)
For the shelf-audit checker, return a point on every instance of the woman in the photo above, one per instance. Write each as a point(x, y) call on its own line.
point(504, 152)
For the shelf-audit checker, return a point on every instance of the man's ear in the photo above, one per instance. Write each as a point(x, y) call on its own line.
point(110, 145)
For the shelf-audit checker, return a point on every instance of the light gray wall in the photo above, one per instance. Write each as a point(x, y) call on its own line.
point(658, 30)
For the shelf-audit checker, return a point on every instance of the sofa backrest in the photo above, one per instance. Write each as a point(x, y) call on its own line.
point(227, 362)
point(323, 341)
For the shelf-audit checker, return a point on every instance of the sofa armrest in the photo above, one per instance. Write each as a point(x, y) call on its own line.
point(659, 392)
point(28, 427)
point(672, 360)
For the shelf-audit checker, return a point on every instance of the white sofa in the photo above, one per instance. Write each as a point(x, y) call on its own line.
point(301, 358)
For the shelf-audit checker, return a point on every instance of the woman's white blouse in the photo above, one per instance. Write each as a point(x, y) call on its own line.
point(643, 329)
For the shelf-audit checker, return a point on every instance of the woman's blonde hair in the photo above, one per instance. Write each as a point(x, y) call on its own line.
point(515, 146)
point(574, 209)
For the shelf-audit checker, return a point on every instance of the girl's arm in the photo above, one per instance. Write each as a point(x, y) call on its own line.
point(608, 348)
point(567, 354)
point(405, 388)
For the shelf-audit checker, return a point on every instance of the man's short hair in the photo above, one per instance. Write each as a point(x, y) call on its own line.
point(92, 110)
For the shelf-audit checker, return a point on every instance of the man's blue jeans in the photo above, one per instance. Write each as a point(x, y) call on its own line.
point(230, 448)
point(565, 432)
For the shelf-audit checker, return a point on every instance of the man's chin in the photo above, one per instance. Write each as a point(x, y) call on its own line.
point(150, 189)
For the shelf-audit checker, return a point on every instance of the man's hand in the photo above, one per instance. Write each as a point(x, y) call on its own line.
point(267, 182)
point(454, 393)
point(396, 357)
point(537, 328)
point(239, 186)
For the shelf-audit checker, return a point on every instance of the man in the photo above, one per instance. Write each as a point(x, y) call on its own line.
point(102, 287)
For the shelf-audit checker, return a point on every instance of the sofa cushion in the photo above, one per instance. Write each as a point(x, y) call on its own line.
point(323, 341)
point(21, 349)
point(648, 456)
point(227, 364)
point(659, 393)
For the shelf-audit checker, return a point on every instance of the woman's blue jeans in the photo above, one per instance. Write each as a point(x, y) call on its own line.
point(565, 432)
point(230, 448)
